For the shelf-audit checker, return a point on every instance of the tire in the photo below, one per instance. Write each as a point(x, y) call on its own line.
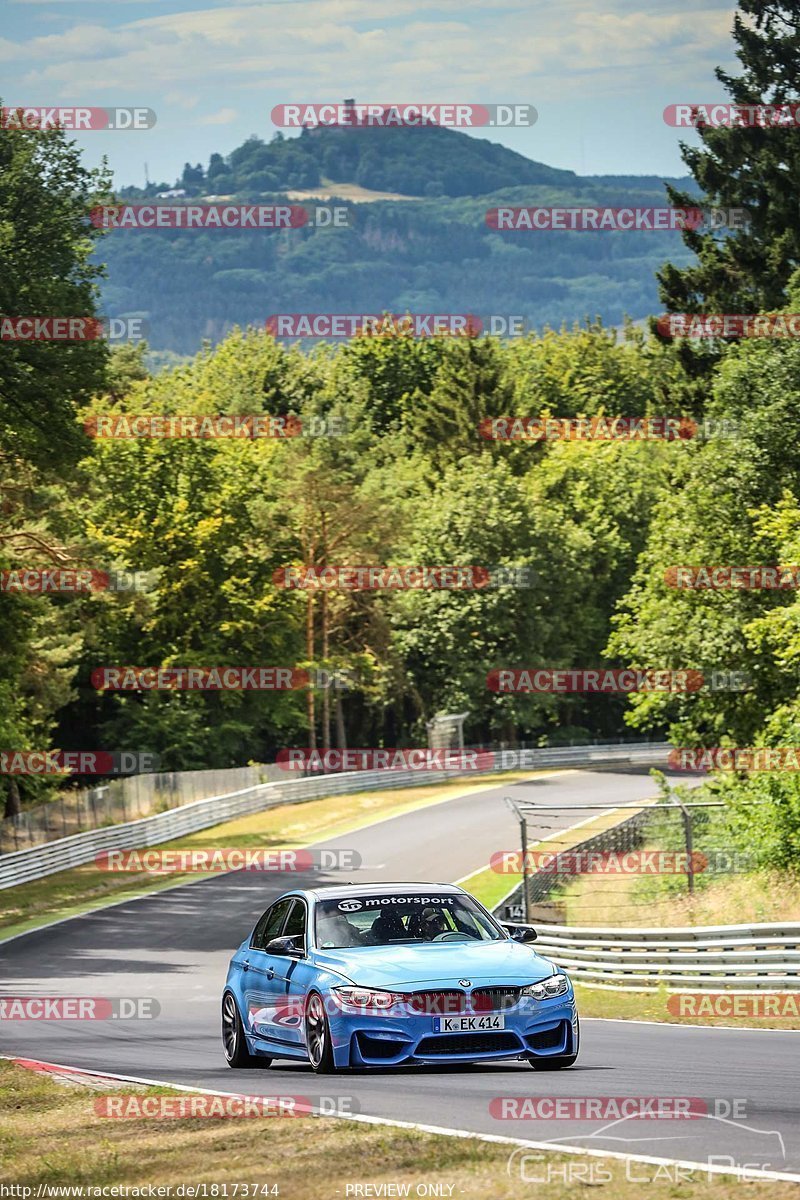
point(233, 1040)
point(559, 1062)
point(319, 1046)
point(552, 1064)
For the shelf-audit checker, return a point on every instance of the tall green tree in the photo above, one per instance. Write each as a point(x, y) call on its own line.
point(751, 167)
point(46, 240)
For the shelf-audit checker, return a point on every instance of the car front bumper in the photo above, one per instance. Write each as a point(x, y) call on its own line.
point(534, 1029)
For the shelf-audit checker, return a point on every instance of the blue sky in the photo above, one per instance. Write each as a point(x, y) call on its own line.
point(600, 75)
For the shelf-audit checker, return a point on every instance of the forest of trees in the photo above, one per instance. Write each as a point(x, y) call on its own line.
point(426, 256)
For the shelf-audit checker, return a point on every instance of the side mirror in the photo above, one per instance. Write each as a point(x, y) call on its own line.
point(288, 947)
point(521, 933)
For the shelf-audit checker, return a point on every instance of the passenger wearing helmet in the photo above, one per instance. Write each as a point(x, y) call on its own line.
point(388, 927)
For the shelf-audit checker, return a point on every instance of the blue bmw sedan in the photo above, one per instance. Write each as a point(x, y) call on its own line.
point(393, 975)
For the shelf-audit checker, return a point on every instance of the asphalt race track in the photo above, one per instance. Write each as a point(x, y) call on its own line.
point(174, 946)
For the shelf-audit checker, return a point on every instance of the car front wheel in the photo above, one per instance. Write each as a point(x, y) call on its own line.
point(318, 1036)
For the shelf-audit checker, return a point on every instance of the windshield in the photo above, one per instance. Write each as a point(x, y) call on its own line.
point(386, 919)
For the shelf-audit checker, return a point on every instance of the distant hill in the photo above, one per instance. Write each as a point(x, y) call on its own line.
point(415, 162)
point(433, 255)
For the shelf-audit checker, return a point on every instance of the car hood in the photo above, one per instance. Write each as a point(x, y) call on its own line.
point(443, 964)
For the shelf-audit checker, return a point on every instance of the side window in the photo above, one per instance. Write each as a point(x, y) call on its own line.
point(296, 925)
point(270, 925)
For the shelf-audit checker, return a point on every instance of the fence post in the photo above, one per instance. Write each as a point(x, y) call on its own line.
point(526, 884)
point(688, 844)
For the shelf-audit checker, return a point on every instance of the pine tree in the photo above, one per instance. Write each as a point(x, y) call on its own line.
point(752, 167)
point(471, 384)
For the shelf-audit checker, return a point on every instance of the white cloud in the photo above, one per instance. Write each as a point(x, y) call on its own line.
point(8, 51)
point(350, 46)
point(223, 116)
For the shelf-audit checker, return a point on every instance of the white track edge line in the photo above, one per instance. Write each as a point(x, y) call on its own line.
point(691, 1024)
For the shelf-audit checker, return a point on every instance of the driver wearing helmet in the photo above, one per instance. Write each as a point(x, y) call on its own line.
point(388, 927)
point(434, 922)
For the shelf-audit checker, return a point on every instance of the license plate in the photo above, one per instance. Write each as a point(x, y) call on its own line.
point(467, 1024)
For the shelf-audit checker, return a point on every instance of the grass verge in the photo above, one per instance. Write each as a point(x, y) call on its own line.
point(653, 901)
point(50, 1135)
point(652, 1006)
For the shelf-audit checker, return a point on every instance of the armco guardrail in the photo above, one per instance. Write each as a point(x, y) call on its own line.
point(23, 866)
point(118, 801)
point(696, 958)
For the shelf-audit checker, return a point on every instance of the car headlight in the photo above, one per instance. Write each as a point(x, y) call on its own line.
point(365, 998)
point(554, 985)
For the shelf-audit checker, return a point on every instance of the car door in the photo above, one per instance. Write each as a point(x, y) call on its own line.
point(259, 985)
point(292, 977)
